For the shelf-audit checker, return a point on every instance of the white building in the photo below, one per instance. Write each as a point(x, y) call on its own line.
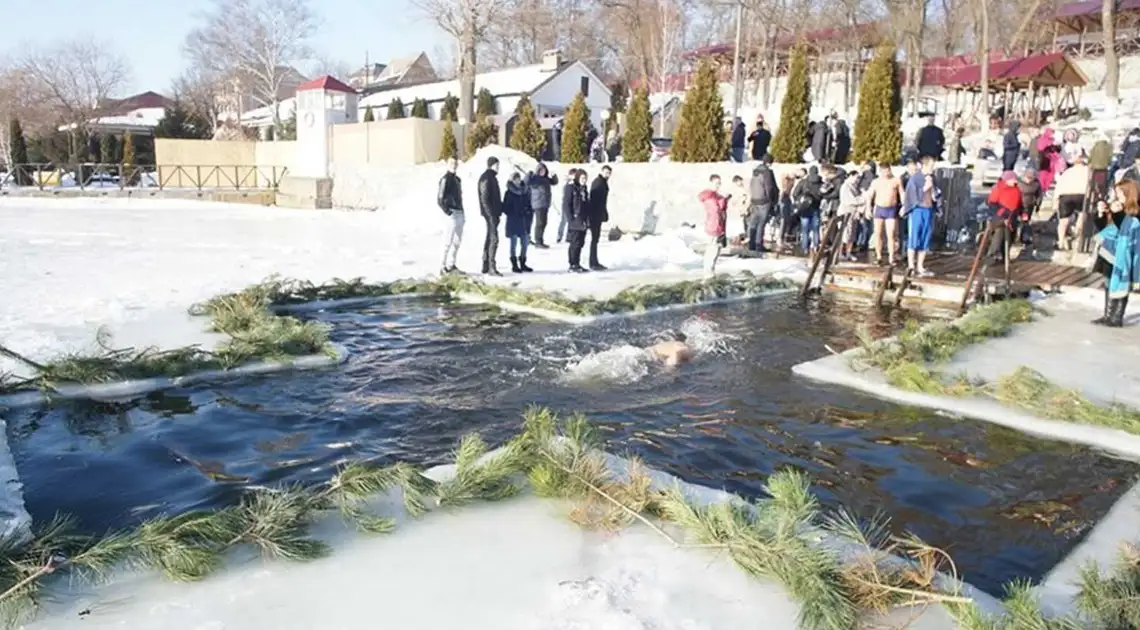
point(138, 114)
point(551, 85)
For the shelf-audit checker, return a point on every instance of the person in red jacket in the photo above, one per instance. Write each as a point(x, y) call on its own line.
point(1006, 204)
point(716, 216)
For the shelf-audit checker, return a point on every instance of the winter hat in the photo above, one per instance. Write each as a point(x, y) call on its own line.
point(492, 161)
point(1008, 175)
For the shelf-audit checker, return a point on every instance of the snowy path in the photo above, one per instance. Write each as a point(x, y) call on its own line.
point(70, 266)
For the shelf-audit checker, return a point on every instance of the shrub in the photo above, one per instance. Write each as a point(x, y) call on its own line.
point(396, 109)
point(527, 135)
point(700, 133)
point(450, 109)
point(369, 116)
point(575, 129)
point(420, 109)
point(448, 147)
point(485, 104)
point(791, 136)
point(636, 145)
point(481, 134)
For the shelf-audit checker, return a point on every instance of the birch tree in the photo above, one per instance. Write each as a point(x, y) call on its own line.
point(1111, 61)
point(198, 90)
point(253, 43)
point(468, 22)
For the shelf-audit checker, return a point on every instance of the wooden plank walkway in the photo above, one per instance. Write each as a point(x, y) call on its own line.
point(955, 267)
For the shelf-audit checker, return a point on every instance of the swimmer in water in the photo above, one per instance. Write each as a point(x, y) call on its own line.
point(673, 352)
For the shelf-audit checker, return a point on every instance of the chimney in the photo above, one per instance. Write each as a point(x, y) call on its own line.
point(552, 60)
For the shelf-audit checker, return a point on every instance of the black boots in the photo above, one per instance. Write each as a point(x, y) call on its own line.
point(1115, 315)
point(1103, 319)
point(515, 265)
point(522, 265)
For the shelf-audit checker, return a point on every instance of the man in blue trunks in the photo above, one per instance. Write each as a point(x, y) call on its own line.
point(919, 206)
point(886, 195)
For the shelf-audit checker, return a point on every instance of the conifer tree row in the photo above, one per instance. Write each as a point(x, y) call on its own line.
point(527, 135)
point(636, 145)
point(878, 123)
point(700, 135)
point(791, 134)
point(575, 129)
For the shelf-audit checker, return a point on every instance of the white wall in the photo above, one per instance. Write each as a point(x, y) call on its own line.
point(564, 87)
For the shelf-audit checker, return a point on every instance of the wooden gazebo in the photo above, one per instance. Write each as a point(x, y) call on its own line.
point(1023, 87)
point(1077, 27)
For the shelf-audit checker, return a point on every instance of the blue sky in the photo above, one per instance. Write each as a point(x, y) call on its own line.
point(149, 33)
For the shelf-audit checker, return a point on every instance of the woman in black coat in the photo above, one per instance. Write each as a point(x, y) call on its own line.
point(575, 209)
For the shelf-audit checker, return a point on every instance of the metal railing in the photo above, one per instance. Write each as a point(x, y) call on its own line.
point(93, 176)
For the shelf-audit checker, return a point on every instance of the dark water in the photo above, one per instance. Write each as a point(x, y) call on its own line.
point(423, 374)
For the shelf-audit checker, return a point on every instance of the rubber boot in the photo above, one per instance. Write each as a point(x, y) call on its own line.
point(1116, 312)
point(1103, 319)
point(522, 265)
point(515, 265)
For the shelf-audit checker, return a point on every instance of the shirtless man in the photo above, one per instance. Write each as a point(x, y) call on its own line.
point(884, 198)
point(671, 353)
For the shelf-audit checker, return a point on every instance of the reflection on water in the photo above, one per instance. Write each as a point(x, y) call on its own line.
point(421, 374)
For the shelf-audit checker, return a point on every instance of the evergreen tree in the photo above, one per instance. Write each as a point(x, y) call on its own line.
point(369, 116)
point(485, 104)
point(575, 129)
point(791, 136)
point(636, 145)
point(450, 109)
point(128, 149)
point(448, 147)
point(396, 109)
point(527, 135)
point(109, 149)
point(878, 123)
point(175, 123)
point(700, 132)
point(618, 97)
point(19, 148)
point(420, 109)
point(481, 134)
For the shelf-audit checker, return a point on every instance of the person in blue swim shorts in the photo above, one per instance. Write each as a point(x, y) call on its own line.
point(919, 206)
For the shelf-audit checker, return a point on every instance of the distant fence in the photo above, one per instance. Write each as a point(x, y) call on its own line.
point(90, 176)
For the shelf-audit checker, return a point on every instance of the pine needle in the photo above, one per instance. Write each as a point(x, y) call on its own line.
point(480, 476)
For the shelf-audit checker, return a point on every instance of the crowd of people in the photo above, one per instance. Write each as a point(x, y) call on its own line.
point(827, 140)
point(526, 207)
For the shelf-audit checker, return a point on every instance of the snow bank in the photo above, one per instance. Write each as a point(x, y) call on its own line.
point(513, 565)
point(644, 198)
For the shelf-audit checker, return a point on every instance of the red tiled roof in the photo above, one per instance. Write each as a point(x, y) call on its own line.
point(327, 83)
point(867, 33)
point(144, 100)
point(937, 70)
point(1089, 8)
point(1026, 68)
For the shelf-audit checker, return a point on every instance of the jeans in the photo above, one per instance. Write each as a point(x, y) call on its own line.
point(452, 237)
point(737, 154)
point(757, 219)
point(863, 229)
point(521, 242)
point(577, 239)
point(809, 231)
point(563, 221)
point(491, 242)
point(712, 253)
point(595, 234)
point(540, 216)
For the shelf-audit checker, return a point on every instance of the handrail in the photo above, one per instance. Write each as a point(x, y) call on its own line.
point(98, 176)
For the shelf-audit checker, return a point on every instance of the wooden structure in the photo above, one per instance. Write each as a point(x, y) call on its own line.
point(1077, 28)
point(1021, 87)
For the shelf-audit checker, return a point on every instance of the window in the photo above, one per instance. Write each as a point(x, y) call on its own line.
point(584, 86)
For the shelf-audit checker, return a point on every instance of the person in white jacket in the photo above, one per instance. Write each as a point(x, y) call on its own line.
point(739, 205)
point(1070, 191)
point(853, 205)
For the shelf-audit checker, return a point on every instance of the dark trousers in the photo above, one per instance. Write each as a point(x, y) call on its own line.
point(540, 215)
point(595, 234)
point(999, 238)
point(757, 219)
point(577, 239)
point(491, 242)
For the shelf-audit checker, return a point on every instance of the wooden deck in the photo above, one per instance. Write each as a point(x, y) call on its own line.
point(1036, 273)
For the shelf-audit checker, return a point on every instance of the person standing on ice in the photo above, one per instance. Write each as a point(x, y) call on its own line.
point(921, 204)
point(450, 200)
point(576, 211)
point(516, 207)
point(599, 213)
point(540, 182)
point(716, 220)
point(491, 207)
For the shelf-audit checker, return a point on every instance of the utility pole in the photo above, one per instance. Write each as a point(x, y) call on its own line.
point(736, 61)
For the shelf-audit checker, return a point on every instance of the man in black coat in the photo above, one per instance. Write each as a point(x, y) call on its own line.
point(450, 200)
point(738, 137)
point(1011, 147)
point(491, 207)
point(760, 139)
point(539, 183)
point(599, 213)
point(931, 141)
point(763, 195)
point(820, 141)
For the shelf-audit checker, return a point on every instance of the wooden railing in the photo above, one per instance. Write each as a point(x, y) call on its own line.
point(93, 176)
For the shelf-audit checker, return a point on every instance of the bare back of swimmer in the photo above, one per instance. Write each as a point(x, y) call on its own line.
point(671, 353)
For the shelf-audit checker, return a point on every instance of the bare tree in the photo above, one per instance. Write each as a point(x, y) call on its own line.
point(199, 91)
point(1111, 61)
point(77, 78)
point(443, 62)
point(984, 60)
point(468, 22)
point(252, 42)
point(323, 64)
